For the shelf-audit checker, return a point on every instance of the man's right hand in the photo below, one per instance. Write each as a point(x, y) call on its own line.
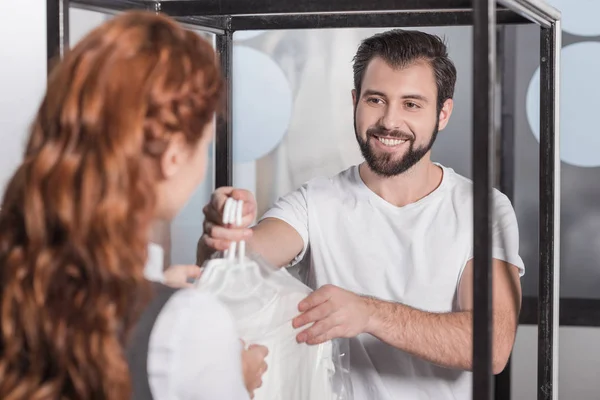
point(216, 236)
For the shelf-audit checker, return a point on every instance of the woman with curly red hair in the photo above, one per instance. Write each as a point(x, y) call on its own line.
point(120, 140)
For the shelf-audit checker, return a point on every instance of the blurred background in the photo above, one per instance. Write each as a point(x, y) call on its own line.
point(293, 121)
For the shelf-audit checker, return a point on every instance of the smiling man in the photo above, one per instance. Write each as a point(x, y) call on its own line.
point(391, 240)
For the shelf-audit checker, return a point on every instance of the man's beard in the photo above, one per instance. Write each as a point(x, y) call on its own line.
point(385, 164)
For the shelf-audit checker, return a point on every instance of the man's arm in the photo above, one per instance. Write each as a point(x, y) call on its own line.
point(276, 240)
point(444, 339)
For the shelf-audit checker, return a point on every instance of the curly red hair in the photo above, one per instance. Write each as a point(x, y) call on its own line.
point(75, 218)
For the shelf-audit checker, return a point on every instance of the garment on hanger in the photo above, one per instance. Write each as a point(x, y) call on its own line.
point(263, 301)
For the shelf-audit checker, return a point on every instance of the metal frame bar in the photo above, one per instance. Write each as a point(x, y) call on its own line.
point(114, 6)
point(484, 93)
point(224, 137)
point(548, 306)
point(536, 11)
point(57, 30)
point(216, 25)
point(572, 312)
point(254, 7)
point(223, 17)
point(506, 75)
point(372, 20)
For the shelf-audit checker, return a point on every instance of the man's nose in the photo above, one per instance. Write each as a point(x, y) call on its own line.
point(392, 119)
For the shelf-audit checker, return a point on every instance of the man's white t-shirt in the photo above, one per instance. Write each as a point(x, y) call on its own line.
point(413, 255)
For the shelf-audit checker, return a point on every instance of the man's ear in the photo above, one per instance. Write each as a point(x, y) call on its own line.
point(445, 113)
point(354, 98)
point(172, 158)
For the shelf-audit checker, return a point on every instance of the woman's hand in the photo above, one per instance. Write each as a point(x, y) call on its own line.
point(254, 366)
point(178, 276)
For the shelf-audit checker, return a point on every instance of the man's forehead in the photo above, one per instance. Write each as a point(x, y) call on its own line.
point(417, 75)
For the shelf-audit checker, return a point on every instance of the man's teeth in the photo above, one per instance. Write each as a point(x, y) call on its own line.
point(391, 142)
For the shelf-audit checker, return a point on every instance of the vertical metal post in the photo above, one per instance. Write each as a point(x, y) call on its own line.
point(57, 30)
point(224, 136)
point(484, 76)
point(506, 42)
point(549, 293)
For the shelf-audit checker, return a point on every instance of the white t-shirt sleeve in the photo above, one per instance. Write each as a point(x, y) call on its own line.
point(505, 233)
point(293, 209)
point(194, 351)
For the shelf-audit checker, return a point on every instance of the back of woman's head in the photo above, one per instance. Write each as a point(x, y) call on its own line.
point(75, 217)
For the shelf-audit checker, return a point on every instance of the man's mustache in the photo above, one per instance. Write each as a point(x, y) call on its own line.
point(397, 134)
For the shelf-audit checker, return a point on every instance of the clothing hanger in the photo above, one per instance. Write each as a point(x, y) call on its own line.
point(232, 214)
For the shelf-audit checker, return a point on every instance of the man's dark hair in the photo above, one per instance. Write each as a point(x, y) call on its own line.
point(400, 48)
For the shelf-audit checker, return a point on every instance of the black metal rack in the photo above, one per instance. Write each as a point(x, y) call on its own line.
point(223, 17)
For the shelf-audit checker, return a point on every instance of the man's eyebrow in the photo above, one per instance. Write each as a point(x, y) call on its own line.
point(420, 97)
point(370, 92)
point(415, 97)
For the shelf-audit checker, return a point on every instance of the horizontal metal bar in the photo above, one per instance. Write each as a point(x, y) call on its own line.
point(534, 10)
point(216, 25)
point(375, 20)
point(537, 11)
point(112, 6)
point(572, 312)
point(256, 7)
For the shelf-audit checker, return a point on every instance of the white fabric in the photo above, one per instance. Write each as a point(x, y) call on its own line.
point(153, 271)
point(413, 254)
point(194, 352)
point(263, 301)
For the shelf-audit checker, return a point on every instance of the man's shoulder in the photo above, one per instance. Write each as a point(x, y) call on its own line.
point(462, 188)
point(344, 178)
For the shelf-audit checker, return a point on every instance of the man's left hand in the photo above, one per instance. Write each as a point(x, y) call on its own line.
point(336, 313)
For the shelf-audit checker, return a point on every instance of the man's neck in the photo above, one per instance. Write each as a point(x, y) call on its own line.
point(406, 188)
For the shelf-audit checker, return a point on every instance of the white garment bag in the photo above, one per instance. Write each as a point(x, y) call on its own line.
point(263, 301)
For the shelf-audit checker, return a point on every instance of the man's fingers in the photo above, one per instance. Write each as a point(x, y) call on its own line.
point(325, 337)
point(213, 212)
point(223, 233)
point(315, 314)
point(242, 194)
point(317, 297)
point(318, 329)
point(220, 196)
point(216, 244)
point(218, 199)
point(212, 215)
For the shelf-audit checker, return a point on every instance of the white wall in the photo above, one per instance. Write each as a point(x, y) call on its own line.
point(22, 76)
point(22, 80)
point(579, 363)
point(23, 71)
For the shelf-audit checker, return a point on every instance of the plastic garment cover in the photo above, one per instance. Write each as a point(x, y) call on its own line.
point(263, 301)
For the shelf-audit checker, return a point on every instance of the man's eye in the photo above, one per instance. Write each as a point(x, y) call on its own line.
point(374, 100)
point(410, 104)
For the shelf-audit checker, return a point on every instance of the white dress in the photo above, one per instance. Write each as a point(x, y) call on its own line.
point(194, 351)
point(263, 302)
